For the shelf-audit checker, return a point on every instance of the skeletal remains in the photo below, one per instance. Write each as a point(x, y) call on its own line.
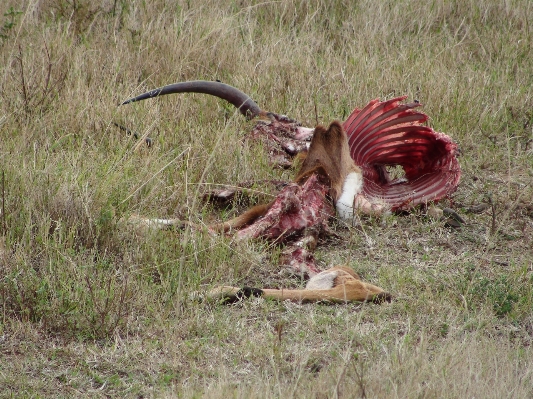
point(344, 168)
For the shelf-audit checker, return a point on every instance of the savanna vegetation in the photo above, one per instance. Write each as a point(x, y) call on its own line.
point(92, 307)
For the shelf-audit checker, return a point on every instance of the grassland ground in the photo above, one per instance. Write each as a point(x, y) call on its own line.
point(91, 307)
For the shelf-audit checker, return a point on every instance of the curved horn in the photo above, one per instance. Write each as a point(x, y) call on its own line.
point(243, 102)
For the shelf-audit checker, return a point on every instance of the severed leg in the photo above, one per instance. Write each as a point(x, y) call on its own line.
point(337, 285)
point(248, 217)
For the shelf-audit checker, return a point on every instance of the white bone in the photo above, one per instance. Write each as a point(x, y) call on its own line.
point(353, 184)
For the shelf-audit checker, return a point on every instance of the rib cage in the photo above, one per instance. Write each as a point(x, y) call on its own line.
point(389, 133)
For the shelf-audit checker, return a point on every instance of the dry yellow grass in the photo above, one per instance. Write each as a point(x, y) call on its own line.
point(92, 308)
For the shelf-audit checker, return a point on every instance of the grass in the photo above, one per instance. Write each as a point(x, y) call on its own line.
point(90, 307)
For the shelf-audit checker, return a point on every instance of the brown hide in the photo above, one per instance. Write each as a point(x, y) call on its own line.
point(329, 155)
